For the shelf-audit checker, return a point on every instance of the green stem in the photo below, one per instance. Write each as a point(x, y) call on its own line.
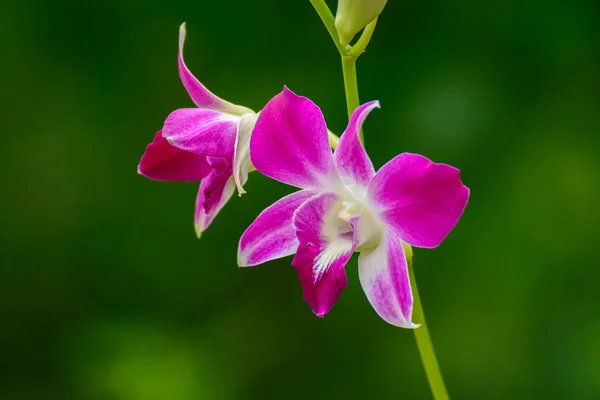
point(365, 38)
point(329, 22)
point(351, 86)
point(432, 369)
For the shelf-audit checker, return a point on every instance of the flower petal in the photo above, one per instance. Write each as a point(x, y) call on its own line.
point(383, 274)
point(163, 162)
point(352, 160)
point(272, 234)
point(241, 156)
point(290, 142)
point(326, 243)
point(199, 94)
point(215, 190)
point(419, 200)
point(206, 132)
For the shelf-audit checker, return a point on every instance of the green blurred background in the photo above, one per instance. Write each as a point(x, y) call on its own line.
point(105, 293)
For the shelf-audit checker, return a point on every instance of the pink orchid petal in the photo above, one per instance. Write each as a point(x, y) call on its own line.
point(164, 162)
point(419, 200)
point(206, 132)
point(290, 142)
point(352, 160)
point(272, 234)
point(199, 94)
point(325, 246)
point(241, 155)
point(383, 274)
point(215, 191)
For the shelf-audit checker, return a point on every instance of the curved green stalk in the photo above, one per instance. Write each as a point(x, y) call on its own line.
point(364, 40)
point(430, 363)
point(329, 22)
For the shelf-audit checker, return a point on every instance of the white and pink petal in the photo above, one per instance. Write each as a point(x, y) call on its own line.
point(200, 95)
point(326, 243)
point(419, 200)
point(353, 163)
point(205, 132)
point(383, 274)
point(241, 156)
point(215, 191)
point(272, 234)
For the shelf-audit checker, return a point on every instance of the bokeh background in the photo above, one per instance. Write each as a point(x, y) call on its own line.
point(105, 293)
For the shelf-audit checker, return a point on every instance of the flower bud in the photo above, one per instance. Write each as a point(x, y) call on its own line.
point(354, 15)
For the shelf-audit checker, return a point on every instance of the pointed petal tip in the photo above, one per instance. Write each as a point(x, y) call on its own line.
point(242, 260)
point(289, 92)
point(374, 104)
point(240, 188)
point(182, 34)
point(351, 158)
point(368, 107)
point(408, 325)
point(199, 228)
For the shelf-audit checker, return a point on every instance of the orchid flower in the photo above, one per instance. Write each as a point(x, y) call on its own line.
point(345, 206)
point(208, 143)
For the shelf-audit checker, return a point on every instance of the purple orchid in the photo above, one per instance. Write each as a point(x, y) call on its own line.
point(345, 206)
point(208, 143)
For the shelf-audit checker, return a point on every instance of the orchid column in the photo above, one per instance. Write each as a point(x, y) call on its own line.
point(353, 16)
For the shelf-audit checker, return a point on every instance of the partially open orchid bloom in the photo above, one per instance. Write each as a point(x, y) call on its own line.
point(354, 15)
point(208, 143)
point(344, 206)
